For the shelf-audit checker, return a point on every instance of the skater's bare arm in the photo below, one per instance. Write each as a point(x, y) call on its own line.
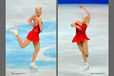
point(40, 24)
point(88, 14)
point(73, 24)
point(30, 21)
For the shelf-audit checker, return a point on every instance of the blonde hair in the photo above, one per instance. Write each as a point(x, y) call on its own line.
point(38, 8)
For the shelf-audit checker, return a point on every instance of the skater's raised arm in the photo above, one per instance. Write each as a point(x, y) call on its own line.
point(30, 21)
point(88, 14)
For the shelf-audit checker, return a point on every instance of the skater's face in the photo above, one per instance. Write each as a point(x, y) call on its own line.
point(39, 12)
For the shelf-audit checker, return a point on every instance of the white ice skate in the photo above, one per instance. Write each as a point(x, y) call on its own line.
point(86, 66)
point(14, 31)
point(33, 66)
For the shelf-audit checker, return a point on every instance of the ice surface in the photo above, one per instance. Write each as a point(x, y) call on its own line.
point(70, 62)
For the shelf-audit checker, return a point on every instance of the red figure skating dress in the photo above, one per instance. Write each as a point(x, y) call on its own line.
point(33, 35)
point(80, 34)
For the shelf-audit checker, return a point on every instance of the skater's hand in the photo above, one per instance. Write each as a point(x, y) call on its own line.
point(82, 6)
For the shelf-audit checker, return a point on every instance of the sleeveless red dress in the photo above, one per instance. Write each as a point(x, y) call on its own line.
point(33, 35)
point(80, 34)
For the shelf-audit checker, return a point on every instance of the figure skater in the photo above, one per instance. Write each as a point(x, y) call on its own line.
point(80, 38)
point(33, 35)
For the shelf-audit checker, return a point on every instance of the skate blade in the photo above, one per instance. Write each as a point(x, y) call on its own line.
point(33, 68)
point(86, 69)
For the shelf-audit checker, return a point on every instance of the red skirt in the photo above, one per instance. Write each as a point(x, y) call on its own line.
point(78, 38)
point(34, 34)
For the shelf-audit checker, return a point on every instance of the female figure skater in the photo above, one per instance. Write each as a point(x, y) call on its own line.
point(80, 37)
point(33, 35)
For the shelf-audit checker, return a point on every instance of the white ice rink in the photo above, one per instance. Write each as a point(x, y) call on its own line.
point(70, 62)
